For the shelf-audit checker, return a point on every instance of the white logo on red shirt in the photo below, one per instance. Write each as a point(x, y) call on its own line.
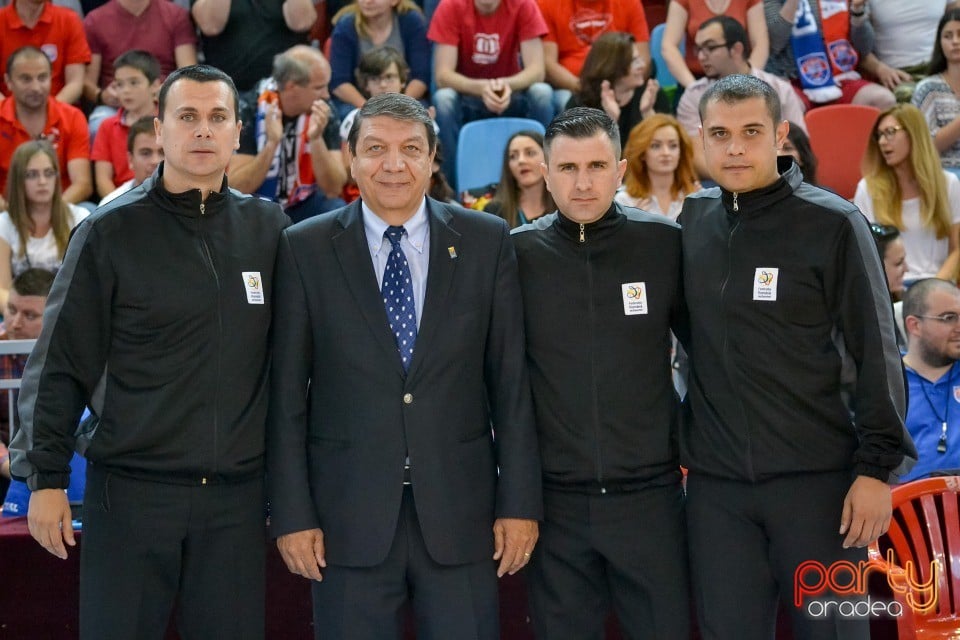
point(588, 25)
point(486, 48)
point(50, 50)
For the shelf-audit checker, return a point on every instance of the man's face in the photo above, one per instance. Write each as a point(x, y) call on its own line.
point(392, 166)
point(583, 175)
point(24, 316)
point(146, 155)
point(740, 142)
point(936, 337)
point(713, 52)
point(199, 133)
point(297, 99)
point(29, 81)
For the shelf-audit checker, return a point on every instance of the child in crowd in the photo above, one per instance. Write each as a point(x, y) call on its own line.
point(136, 81)
point(381, 70)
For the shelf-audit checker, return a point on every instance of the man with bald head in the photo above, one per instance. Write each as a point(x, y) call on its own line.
point(931, 317)
point(290, 145)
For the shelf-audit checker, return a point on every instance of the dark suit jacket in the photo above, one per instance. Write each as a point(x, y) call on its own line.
point(343, 415)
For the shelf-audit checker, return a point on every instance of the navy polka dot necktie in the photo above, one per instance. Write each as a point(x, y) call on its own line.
point(397, 291)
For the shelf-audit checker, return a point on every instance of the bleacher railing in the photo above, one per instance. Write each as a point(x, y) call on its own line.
point(9, 386)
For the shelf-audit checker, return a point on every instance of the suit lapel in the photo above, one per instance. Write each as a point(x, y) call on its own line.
point(350, 246)
point(443, 265)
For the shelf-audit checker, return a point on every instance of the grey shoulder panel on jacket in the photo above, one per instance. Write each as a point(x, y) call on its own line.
point(543, 222)
point(634, 214)
point(824, 198)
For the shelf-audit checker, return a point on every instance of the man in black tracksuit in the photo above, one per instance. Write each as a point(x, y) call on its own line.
point(158, 320)
point(785, 290)
point(601, 289)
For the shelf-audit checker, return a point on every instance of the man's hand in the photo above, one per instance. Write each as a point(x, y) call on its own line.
point(891, 77)
point(109, 97)
point(866, 512)
point(319, 117)
point(48, 518)
point(513, 541)
point(303, 552)
point(273, 123)
point(496, 96)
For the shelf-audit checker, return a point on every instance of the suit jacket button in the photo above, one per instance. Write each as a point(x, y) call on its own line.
point(408, 398)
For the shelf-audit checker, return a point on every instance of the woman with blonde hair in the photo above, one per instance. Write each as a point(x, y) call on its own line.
point(905, 186)
point(36, 225)
point(660, 169)
point(522, 195)
point(362, 26)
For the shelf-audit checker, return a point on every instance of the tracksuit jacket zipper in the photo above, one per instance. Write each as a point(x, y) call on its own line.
point(216, 391)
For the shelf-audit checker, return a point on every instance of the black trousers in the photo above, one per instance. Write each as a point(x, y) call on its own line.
point(746, 544)
point(368, 603)
point(625, 550)
point(148, 547)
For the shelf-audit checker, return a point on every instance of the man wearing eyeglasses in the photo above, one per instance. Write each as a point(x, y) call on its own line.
point(931, 316)
point(723, 48)
point(290, 144)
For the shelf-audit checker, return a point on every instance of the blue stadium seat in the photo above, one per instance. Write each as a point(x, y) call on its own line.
point(667, 82)
point(480, 149)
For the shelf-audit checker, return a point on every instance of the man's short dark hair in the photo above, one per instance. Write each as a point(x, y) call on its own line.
point(138, 128)
point(33, 282)
point(582, 122)
point(28, 51)
point(397, 106)
point(198, 73)
point(733, 32)
point(143, 61)
point(915, 298)
point(737, 88)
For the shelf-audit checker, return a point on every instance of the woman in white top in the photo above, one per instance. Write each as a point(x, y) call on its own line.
point(660, 169)
point(36, 226)
point(905, 186)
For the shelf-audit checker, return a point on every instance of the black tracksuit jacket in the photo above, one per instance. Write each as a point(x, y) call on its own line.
point(785, 290)
point(151, 323)
point(601, 378)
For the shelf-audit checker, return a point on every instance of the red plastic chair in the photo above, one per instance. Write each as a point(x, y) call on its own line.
point(925, 529)
point(838, 136)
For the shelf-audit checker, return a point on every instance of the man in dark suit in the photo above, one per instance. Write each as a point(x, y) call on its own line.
point(383, 468)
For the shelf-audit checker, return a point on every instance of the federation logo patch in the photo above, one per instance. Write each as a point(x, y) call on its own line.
point(634, 298)
point(765, 282)
point(253, 284)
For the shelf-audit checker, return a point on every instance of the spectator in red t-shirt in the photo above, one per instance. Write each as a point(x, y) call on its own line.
point(159, 26)
point(144, 155)
point(479, 48)
point(30, 114)
point(54, 30)
point(573, 26)
point(136, 80)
